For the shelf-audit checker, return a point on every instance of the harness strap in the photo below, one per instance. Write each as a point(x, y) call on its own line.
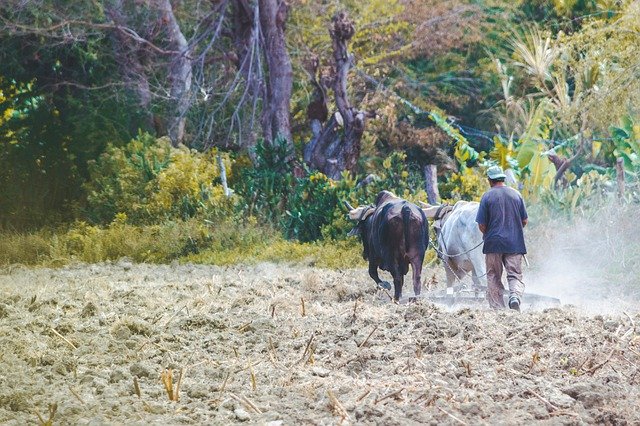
point(437, 216)
point(364, 212)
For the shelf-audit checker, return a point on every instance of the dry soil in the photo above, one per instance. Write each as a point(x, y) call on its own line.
point(276, 344)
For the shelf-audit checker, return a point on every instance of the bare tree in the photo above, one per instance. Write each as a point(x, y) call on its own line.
point(264, 62)
point(179, 70)
point(335, 145)
point(276, 114)
point(131, 59)
point(179, 73)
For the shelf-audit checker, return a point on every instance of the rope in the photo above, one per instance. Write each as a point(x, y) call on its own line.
point(446, 263)
point(454, 255)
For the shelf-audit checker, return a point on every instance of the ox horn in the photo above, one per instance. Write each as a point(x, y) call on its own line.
point(349, 206)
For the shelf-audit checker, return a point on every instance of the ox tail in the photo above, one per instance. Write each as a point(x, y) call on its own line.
point(406, 219)
point(425, 230)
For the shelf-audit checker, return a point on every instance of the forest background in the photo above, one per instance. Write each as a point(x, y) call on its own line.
point(233, 130)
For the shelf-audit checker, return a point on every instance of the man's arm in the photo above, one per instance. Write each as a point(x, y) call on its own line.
point(523, 213)
point(481, 216)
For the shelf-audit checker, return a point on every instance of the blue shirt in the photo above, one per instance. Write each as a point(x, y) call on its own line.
point(502, 211)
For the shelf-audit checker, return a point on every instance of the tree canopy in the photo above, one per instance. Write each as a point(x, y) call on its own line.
point(547, 89)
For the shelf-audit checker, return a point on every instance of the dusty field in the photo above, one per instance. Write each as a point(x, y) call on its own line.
point(81, 337)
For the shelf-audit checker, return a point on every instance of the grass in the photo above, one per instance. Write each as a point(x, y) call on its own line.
point(332, 255)
point(191, 241)
point(601, 239)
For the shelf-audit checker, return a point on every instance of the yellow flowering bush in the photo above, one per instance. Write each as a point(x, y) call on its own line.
point(148, 180)
point(468, 184)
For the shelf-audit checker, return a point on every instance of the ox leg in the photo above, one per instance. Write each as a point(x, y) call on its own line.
point(373, 273)
point(416, 266)
point(398, 282)
point(451, 274)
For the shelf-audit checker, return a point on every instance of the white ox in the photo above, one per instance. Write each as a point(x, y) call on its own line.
point(459, 241)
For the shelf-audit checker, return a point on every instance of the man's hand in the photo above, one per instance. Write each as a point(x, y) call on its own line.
point(524, 222)
point(483, 227)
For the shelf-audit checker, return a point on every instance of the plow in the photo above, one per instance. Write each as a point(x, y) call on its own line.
point(463, 296)
point(473, 298)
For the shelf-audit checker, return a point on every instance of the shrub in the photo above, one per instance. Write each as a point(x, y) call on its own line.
point(469, 184)
point(150, 181)
point(310, 206)
point(266, 187)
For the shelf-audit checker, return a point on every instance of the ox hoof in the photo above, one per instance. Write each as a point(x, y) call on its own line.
point(384, 285)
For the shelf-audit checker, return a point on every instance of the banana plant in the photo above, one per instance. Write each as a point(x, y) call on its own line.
point(626, 145)
point(464, 152)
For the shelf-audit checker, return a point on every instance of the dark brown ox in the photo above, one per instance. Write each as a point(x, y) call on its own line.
point(394, 235)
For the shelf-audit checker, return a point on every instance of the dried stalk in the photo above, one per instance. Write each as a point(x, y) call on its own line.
point(553, 407)
point(355, 306)
point(53, 330)
point(367, 339)
point(306, 349)
point(631, 320)
point(167, 380)
point(245, 401)
point(336, 406)
point(73, 391)
point(387, 396)
point(452, 416)
point(602, 364)
point(52, 413)
point(224, 383)
point(253, 377)
point(136, 387)
point(364, 395)
point(177, 391)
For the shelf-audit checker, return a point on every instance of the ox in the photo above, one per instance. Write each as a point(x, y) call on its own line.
point(459, 241)
point(395, 235)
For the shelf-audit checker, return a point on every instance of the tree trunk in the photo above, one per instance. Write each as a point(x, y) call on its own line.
point(431, 183)
point(180, 74)
point(336, 146)
point(275, 114)
point(130, 57)
point(258, 33)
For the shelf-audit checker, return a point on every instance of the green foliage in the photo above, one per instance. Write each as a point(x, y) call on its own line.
point(311, 207)
point(122, 177)
point(591, 190)
point(266, 186)
point(625, 144)
point(150, 181)
point(314, 196)
point(576, 77)
point(469, 184)
point(39, 174)
point(464, 152)
point(504, 154)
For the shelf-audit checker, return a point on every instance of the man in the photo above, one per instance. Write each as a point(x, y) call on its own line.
point(501, 218)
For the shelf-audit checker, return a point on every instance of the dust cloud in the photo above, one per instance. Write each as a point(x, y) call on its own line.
point(590, 260)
